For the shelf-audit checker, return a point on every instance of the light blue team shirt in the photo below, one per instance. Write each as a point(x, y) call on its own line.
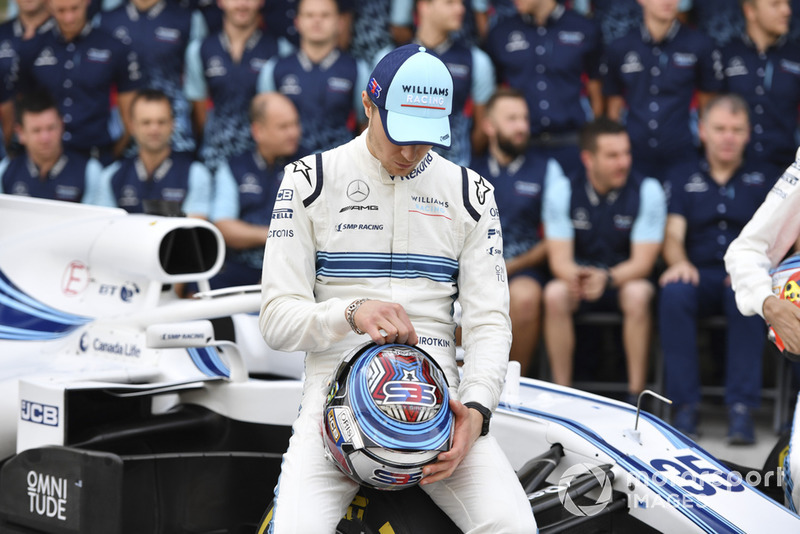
point(647, 228)
point(225, 204)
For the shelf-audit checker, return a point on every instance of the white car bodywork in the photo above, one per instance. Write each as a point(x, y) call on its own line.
point(85, 305)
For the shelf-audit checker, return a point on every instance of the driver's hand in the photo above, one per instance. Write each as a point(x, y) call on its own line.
point(466, 430)
point(385, 322)
point(784, 317)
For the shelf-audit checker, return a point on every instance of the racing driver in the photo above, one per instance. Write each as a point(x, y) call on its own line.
point(378, 237)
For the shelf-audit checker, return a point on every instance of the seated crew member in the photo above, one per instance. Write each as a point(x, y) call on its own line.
point(519, 175)
point(246, 187)
point(156, 180)
point(604, 230)
point(710, 202)
point(45, 169)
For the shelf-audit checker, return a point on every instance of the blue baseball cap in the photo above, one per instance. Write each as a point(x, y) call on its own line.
point(413, 91)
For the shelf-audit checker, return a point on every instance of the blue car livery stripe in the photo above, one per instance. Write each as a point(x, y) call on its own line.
point(701, 515)
point(208, 361)
point(386, 265)
point(24, 318)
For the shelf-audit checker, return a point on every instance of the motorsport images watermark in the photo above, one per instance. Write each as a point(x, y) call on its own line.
point(692, 486)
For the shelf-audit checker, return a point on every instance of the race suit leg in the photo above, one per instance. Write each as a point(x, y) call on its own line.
point(484, 495)
point(312, 494)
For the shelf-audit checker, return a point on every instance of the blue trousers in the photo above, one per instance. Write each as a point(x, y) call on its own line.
point(680, 307)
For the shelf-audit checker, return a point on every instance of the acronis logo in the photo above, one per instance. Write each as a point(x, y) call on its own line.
point(375, 88)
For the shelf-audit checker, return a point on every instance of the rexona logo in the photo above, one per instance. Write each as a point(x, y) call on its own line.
point(42, 414)
point(48, 495)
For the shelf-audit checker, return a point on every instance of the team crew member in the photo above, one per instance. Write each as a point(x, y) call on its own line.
point(361, 228)
point(158, 31)
point(157, 180)
point(604, 229)
point(322, 80)
point(78, 64)
point(45, 170)
point(246, 187)
point(470, 67)
point(763, 66)
point(655, 71)
point(710, 203)
point(519, 175)
point(281, 14)
point(33, 18)
point(544, 52)
point(225, 66)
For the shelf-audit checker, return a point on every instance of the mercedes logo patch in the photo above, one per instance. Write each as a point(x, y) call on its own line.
point(357, 191)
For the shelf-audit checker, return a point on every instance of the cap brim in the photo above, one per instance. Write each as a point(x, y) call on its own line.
point(407, 130)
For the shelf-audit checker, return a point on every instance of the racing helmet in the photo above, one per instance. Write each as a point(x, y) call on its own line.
point(786, 285)
point(387, 415)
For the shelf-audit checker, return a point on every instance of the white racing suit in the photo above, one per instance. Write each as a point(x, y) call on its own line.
point(344, 229)
point(761, 245)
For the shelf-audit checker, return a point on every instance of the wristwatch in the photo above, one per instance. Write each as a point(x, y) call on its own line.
point(485, 412)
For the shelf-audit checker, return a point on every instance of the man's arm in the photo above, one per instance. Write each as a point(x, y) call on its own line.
point(647, 235)
point(124, 101)
point(482, 87)
point(639, 265)
point(7, 114)
point(763, 242)
point(195, 88)
point(533, 257)
point(594, 91)
point(614, 106)
point(197, 203)
point(241, 235)
point(679, 268)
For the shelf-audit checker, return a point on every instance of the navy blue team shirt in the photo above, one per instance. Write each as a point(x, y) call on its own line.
point(171, 182)
point(658, 81)
point(715, 214)
point(546, 63)
point(518, 191)
point(79, 75)
point(67, 181)
point(212, 72)
point(159, 36)
point(246, 190)
point(770, 83)
point(324, 93)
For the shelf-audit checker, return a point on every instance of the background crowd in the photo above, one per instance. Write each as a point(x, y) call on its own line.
point(628, 141)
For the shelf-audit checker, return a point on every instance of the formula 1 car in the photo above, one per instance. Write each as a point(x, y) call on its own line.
point(124, 409)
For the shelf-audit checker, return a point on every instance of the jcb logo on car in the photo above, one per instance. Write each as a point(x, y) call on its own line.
point(42, 414)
